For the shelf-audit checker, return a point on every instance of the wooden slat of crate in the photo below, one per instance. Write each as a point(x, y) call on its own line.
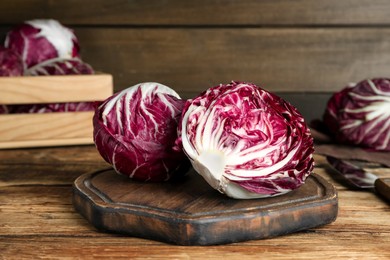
point(50, 129)
point(47, 129)
point(55, 89)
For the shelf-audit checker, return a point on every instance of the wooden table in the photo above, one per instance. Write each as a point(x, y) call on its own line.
point(37, 218)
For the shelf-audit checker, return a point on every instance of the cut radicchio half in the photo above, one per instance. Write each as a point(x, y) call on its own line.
point(245, 141)
point(359, 114)
point(135, 131)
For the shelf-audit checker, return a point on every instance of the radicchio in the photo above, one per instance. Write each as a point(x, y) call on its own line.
point(42, 47)
point(135, 131)
point(10, 63)
point(3, 109)
point(245, 141)
point(60, 67)
point(50, 107)
point(41, 40)
point(359, 114)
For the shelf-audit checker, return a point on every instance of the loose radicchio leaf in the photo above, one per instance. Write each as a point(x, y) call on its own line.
point(359, 114)
point(60, 67)
point(10, 63)
point(245, 141)
point(40, 40)
point(135, 131)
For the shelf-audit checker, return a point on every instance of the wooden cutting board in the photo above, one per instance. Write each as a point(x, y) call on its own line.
point(189, 212)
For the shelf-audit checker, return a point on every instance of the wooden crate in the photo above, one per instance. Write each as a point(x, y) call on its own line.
point(50, 129)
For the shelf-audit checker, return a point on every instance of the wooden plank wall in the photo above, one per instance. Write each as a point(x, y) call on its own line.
point(301, 49)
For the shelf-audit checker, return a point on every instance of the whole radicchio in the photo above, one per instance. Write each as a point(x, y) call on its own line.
point(359, 114)
point(10, 63)
point(135, 131)
point(245, 141)
point(40, 40)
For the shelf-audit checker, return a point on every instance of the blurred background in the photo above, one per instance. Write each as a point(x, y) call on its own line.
point(302, 50)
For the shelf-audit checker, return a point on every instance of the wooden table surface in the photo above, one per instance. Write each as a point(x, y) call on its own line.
point(37, 218)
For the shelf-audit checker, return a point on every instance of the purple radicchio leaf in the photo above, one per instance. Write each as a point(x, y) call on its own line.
point(60, 67)
point(10, 63)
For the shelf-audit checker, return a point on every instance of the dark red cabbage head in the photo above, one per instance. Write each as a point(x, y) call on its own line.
point(10, 63)
point(245, 141)
point(40, 40)
point(135, 131)
point(359, 114)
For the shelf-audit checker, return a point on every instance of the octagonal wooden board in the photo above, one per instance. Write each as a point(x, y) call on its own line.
point(189, 212)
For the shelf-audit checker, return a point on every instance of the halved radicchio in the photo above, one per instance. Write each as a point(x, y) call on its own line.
point(245, 141)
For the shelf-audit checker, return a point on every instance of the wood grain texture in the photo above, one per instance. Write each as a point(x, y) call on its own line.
point(286, 46)
point(214, 12)
point(46, 129)
point(277, 59)
point(37, 218)
point(55, 89)
point(192, 60)
point(190, 212)
point(55, 128)
point(320, 246)
point(280, 59)
point(382, 186)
